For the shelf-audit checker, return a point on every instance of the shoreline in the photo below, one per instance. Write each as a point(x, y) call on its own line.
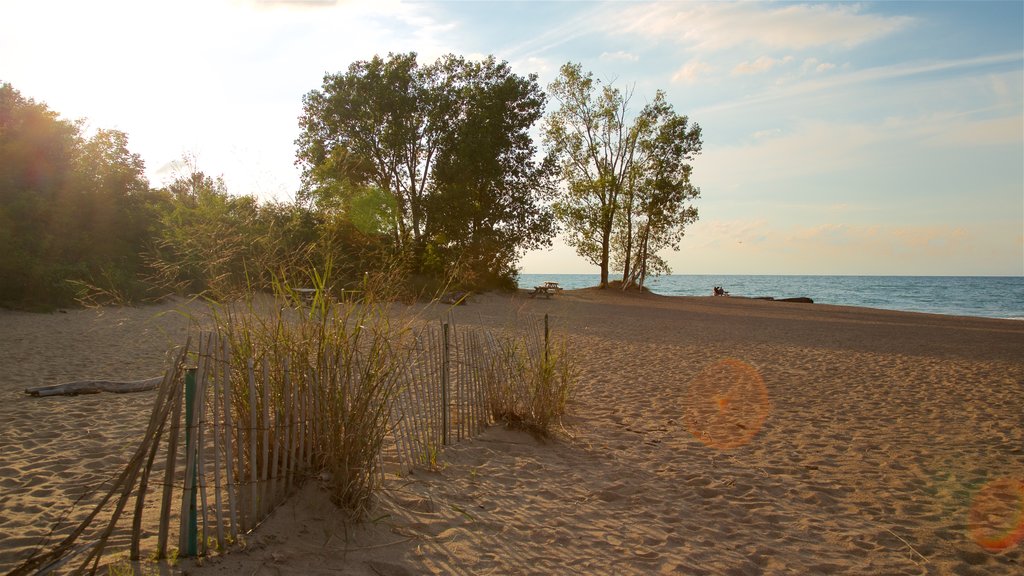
point(881, 432)
point(973, 296)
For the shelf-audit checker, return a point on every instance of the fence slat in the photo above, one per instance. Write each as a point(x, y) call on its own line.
point(229, 444)
point(275, 457)
point(200, 415)
point(217, 430)
point(264, 508)
point(291, 433)
point(163, 533)
point(252, 513)
point(163, 396)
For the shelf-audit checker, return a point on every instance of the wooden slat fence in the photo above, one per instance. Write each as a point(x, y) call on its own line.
point(226, 445)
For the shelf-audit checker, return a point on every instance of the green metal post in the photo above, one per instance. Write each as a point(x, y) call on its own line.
point(192, 537)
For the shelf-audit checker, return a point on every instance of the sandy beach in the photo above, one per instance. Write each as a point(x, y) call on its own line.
point(707, 436)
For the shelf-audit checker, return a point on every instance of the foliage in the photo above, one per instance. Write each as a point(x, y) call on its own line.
point(73, 209)
point(656, 203)
point(211, 242)
point(626, 183)
point(533, 385)
point(443, 153)
point(427, 171)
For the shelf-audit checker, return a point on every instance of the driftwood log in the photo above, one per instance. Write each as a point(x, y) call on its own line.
point(95, 387)
point(799, 299)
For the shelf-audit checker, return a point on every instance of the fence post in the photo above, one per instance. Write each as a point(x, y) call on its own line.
point(444, 384)
point(192, 529)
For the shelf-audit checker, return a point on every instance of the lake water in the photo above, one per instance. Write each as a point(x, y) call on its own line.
point(987, 296)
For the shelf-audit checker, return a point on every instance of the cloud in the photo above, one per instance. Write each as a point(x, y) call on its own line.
point(762, 64)
point(296, 3)
point(813, 65)
point(619, 56)
point(692, 71)
point(719, 26)
point(766, 133)
point(590, 19)
point(867, 76)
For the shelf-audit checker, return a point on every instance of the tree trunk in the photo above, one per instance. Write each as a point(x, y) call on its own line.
point(628, 257)
point(643, 258)
point(605, 244)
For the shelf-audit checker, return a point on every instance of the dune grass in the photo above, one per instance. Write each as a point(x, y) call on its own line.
point(533, 382)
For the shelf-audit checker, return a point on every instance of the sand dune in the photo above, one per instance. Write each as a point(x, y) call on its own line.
point(708, 436)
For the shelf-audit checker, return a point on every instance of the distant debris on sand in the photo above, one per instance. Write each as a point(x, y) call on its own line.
point(800, 299)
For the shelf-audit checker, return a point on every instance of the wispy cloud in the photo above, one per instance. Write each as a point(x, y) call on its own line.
point(718, 26)
point(692, 71)
point(619, 56)
point(813, 65)
point(865, 76)
point(762, 64)
point(589, 20)
point(296, 3)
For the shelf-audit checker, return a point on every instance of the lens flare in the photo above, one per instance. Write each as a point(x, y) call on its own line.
point(995, 520)
point(727, 403)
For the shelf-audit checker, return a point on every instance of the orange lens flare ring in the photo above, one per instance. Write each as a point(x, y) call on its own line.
point(995, 520)
point(727, 403)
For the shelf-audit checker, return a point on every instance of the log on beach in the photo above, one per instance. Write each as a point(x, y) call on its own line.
point(798, 299)
point(95, 387)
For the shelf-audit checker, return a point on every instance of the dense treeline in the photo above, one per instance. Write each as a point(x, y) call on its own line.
point(72, 209)
point(79, 222)
point(426, 174)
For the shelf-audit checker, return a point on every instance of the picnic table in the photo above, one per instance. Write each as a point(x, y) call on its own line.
point(546, 289)
point(306, 295)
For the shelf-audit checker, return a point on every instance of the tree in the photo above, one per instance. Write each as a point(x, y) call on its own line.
point(625, 184)
point(448, 143)
point(37, 151)
point(593, 147)
point(657, 200)
point(73, 210)
point(370, 127)
point(485, 202)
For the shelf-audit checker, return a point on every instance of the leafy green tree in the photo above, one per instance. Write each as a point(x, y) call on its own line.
point(626, 183)
point(108, 213)
point(37, 153)
point(206, 238)
point(589, 136)
point(73, 210)
point(449, 145)
point(370, 127)
point(657, 200)
point(486, 202)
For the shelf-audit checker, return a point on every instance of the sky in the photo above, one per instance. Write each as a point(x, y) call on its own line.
point(875, 138)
